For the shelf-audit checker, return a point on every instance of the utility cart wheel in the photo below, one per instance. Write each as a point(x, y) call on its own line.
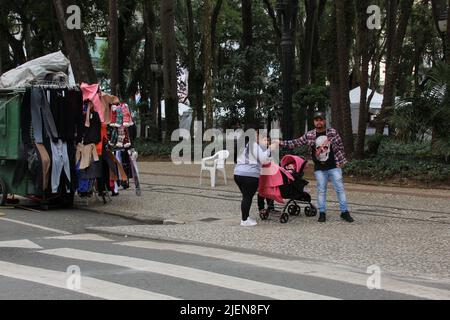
point(284, 218)
point(67, 200)
point(3, 192)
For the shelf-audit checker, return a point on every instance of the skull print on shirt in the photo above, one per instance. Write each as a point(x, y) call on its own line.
point(323, 146)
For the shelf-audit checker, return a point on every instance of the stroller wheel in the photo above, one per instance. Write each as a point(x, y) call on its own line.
point(284, 218)
point(310, 211)
point(294, 210)
point(264, 214)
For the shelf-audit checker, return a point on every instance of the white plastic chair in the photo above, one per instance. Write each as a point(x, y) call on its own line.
point(213, 164)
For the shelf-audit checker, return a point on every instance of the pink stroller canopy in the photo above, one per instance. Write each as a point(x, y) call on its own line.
point(299, 162)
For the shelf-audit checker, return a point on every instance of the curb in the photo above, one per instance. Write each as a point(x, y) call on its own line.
point(129, 215)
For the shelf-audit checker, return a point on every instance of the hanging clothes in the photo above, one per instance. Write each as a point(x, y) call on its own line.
point(45, 164)
point(93, 171)
point(85, 154)
point(60, 162)
point(66, 109)
point(59, 99)
point(40, 112)
point(92, 133)
point(74, 112)
point(116, 169)
point(103, 140)
point(108, 100)
point(91, 92)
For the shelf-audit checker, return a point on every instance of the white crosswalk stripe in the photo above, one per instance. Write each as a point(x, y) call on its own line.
point(187, 273)
point(36, 226)
point(295, 266)
point(81, 237)
point(89, 286)
point(23, 243)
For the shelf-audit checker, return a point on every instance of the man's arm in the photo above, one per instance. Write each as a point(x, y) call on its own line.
point(291, 144)
point(339, 151)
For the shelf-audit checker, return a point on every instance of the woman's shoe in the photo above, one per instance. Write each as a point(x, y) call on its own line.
point(248, 223)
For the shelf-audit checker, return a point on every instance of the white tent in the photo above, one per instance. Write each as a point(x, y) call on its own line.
point(182, 108)
point(375, 103)
point(184, 112)
point(375, 106)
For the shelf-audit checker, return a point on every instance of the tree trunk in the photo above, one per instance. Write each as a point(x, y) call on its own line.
point(1, 56)
point(214, 19)
point(288, 21)
point(330, 52)
point(170, 66)
point(310, 24)
point(113, 47)
point(335, 98)
point(275, 26)
point(363, 48)
point(316, 61)
point(208, 64)
point(149, 87)
point(437, 8)
point(247, 44)
point(316, 49)
point(17, 49)
point(448, 33)
point(76, 47)
point(343, 62)
point(193, 91)
point(394, 48)
point(123, 36)
point(307, 57)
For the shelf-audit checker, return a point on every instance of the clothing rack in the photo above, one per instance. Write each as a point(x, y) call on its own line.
point(45, 84)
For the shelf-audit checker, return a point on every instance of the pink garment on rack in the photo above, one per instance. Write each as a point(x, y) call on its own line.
point(269, 185)
point(91, 92)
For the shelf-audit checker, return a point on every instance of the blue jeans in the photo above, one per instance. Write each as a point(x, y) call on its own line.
point(322, 178)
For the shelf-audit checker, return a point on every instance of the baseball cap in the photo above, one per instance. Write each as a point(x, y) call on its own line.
point(319, 114)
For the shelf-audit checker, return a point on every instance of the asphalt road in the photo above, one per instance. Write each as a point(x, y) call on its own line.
point(50, 256)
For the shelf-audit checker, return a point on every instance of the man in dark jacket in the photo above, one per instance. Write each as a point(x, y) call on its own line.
point(327, 152)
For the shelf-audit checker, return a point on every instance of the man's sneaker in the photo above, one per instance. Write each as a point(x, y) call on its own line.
point(322, 217)
point(346, 216)
point(248, 223)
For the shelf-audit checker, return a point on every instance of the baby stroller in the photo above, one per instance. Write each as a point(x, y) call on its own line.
point(286, 182)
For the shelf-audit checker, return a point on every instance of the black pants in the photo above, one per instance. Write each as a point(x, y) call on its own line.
point(270, 203)
point(248, 187)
